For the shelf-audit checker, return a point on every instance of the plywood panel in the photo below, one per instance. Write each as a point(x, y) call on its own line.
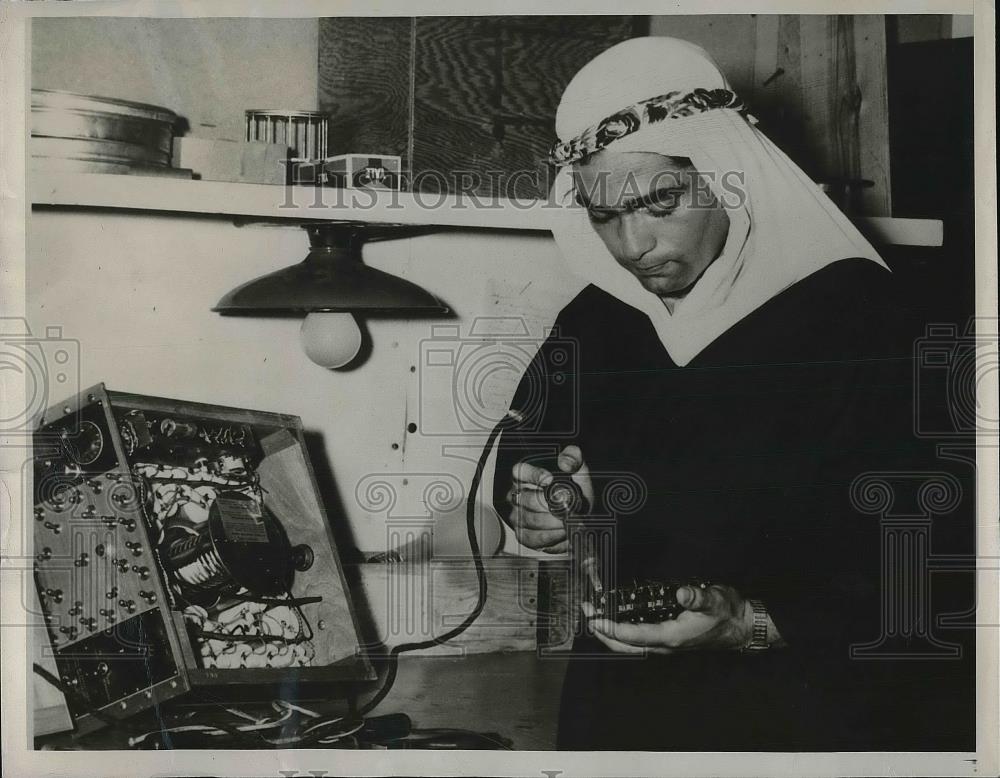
point(458, 97)
point(416, 602)
point(453, 154)
point(538, 65)
point(289, 493)
point(486, 91)
point(465, 101)
point(364, 82)
point(455, 68)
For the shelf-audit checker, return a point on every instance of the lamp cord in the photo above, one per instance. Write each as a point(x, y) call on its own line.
point(477, 557)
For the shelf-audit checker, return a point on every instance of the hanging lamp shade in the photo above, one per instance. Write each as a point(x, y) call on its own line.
point(331, 278)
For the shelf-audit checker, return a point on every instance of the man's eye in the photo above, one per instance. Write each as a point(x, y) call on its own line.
point(663, 207)
point(600, 217)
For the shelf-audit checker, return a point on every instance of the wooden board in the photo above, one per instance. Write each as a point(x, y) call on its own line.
point(873, 113)
point(288, 492)
point(841, 74)
point(415, 602)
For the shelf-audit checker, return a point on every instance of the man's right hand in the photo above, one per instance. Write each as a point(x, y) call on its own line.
point(533, 524)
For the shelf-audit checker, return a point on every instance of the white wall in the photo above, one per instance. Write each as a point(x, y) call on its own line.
point(207, 70)
point(136, 291)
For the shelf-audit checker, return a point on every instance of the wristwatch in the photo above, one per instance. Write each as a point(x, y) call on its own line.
point(758, 631)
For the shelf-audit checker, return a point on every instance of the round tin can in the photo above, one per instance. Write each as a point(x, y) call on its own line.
point(68, 126)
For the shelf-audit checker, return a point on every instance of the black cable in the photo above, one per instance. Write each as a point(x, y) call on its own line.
point(489, 737)
point(477, 558)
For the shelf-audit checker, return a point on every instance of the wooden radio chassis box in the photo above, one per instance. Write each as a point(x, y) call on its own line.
point(118, 619)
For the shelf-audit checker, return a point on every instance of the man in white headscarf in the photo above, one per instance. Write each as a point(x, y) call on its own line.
point(739, 359)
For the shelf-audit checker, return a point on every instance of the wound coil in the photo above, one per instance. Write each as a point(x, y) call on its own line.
point(240, 546)
point(197, 566)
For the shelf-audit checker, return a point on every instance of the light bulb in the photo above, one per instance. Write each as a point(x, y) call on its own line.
point(330, 339)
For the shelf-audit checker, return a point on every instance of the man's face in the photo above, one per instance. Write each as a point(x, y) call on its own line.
point(657, 218)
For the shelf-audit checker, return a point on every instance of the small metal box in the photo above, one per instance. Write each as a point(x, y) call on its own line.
point(353, 171)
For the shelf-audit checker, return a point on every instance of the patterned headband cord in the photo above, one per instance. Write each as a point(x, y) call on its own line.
point(672, 105)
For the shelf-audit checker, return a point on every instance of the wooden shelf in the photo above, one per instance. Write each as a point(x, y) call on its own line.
point(260, 202)
point(277, 203)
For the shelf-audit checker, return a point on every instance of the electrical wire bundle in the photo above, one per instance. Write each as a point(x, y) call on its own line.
point(291, 726)
point(252, 634)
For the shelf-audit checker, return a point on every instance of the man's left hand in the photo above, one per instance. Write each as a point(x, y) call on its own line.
point(716, 617)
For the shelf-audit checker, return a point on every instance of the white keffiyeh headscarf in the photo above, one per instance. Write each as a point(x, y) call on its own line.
point(667, 96)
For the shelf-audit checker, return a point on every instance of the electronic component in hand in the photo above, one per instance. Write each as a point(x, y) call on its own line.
point(642, 602)
point(181, 546)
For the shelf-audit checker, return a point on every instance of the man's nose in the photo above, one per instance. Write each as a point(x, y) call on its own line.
point(634, 237)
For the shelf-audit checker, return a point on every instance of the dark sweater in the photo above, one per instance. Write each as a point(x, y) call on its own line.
point(744, 460)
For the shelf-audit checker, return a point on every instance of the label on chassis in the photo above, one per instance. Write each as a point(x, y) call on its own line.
point(242, 520)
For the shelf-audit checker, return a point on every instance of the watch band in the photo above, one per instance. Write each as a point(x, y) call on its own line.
point(758, 632)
